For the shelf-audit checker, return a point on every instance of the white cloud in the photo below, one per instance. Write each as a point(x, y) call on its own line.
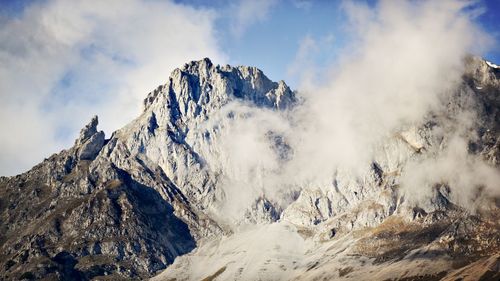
point(245, 154)
point(403, 60)
point(302, 66)
point(64, 61)
point(248, 12)
point(462, 172)
point(302, 4)
point(309, 63)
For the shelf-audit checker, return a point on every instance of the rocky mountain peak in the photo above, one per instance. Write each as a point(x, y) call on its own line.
point(131, 205)
point(202, 84)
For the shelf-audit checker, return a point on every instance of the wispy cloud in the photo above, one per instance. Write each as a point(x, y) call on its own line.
point(305, 67)
point(404, 58)
point(302, 4)
point(63, 61)
point(244, 13)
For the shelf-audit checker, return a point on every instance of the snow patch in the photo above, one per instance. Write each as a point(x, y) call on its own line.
point(490, 64)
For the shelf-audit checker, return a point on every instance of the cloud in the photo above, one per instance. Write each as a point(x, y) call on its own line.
point(62, 62)
point(469, 177)
point(302, 4)
point(404, 58)
point(309, 62)
point(304, 60)
point(244, 153)
point(248, 12)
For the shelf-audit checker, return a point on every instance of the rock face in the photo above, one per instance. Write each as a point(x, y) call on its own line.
point(363, 226)
point(75, 217)
point(90, 141)
point(128, 206)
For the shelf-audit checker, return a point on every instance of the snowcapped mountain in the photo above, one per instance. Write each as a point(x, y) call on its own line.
point(212, 182)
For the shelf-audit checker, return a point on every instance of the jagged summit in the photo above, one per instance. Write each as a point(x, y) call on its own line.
point(194, 82)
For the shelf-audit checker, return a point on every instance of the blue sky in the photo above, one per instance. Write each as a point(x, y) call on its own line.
point(490, 20)
point(272, 42)
point(63, 61)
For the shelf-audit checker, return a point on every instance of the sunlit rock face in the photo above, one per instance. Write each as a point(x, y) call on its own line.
point(164, 190)
point(127, 206)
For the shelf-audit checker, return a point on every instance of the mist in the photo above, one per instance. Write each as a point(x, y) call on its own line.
point(404, 60)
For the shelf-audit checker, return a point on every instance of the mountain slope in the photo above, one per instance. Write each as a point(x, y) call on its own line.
point(200, 178)
point(130, 204)
point(365, 226)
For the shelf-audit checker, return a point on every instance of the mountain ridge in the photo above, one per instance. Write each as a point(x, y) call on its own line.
point(84, 170)
point(128, 206)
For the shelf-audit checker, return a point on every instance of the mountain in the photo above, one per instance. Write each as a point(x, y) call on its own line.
point(196, 185)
